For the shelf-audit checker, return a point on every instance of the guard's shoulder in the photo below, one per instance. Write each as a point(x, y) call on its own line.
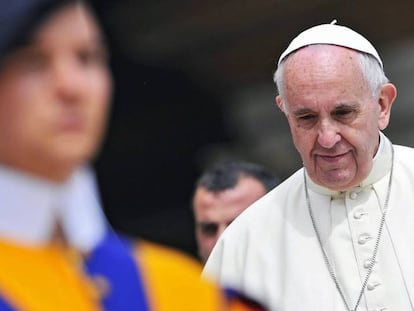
point(165, 257)
point(173, 281)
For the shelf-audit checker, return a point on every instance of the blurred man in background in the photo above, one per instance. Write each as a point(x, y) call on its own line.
point(222, 193)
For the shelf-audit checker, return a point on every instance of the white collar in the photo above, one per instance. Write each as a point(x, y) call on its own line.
point(30, 208)
point(380, 167)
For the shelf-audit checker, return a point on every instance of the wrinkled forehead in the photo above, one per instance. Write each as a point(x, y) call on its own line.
point(324, 69)
point(320, 56)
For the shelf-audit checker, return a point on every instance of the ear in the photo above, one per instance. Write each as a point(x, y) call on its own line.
point(387, 96)
point(280, 104)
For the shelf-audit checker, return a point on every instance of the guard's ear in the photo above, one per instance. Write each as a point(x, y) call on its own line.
point(387, 96)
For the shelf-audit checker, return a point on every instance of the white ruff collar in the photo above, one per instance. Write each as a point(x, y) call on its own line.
point(380, 167)
point(31, 207)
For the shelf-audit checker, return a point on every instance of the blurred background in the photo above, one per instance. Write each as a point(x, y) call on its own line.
point(194, 85)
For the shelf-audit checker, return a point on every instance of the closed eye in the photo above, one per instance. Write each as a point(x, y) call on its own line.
point(306, 120)
point(345, 114)
point(306, 117)
point(342, 112)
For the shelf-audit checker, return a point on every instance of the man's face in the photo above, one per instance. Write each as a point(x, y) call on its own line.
point(333, 117)
point(54, 96)
point(214, 211)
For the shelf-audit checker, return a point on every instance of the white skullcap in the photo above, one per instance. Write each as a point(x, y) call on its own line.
point(331, 34)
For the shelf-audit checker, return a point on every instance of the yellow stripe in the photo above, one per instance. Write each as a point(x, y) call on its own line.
point(43, 279)
point(173, 281)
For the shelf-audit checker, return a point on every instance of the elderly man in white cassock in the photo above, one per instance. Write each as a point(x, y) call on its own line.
point(338, 235)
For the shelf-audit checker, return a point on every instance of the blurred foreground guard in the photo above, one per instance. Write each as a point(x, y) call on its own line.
point(338, 234)
point(57, 251)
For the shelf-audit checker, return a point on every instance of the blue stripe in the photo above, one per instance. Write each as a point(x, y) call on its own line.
point(4, 306)
point(113, 260)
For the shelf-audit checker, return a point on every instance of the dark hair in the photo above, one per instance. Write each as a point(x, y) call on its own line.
point(22, 18)
point(225, 175)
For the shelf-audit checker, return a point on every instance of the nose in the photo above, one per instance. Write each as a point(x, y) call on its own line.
point(68, 79)
point(328, 134)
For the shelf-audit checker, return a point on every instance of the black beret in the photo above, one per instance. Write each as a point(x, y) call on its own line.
point(19, 18)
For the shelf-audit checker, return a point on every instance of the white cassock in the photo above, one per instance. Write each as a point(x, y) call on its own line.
point(271, 251)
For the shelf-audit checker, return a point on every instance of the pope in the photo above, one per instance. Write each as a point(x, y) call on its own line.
point(338, 234)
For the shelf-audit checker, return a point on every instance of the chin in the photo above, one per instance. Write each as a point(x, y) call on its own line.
point(336, 179)
point(77, 149)
point(339, 185)
point(73, 158)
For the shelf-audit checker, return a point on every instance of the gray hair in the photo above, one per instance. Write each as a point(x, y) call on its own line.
point(371, 70)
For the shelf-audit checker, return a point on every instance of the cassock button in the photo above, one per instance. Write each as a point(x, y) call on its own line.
point(353, 195)
point(364, 238)
point(373, 285)
point(358, 214)
point(367, 263)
